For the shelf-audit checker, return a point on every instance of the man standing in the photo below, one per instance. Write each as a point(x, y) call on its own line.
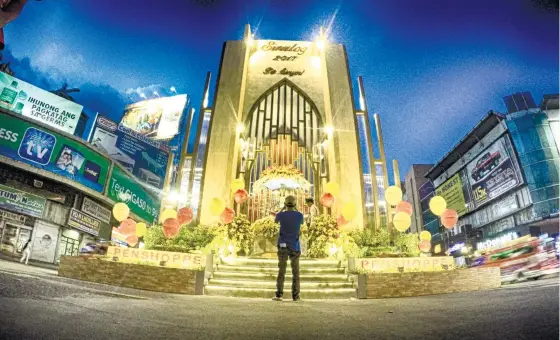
point(288, 247)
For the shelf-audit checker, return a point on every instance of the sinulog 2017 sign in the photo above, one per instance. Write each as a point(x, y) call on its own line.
point(35, 103)
point(51, 151)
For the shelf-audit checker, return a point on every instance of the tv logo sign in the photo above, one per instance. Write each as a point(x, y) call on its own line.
point(37, 146)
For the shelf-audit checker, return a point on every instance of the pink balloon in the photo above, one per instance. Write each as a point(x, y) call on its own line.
point(185, 215)
point(241, 196)
point(171, 227)
point(227, 215)
point(128, 227)
point(405, 207)
point(449, 218)
point(132, 240)
point(327, 200)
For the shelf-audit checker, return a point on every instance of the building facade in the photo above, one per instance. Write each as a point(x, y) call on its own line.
point(286, 105)
point(414, 181)
point(502, 178)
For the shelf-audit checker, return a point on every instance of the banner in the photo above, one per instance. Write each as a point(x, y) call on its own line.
point(155, 256)
point(492, 173)
point(30, 101)
point(123, 188)
point(84, 222)
point(155, 118)
point(144, 157)
point(423, 264)
point(21, 201)
point(51, 151)
point(96, 210)
point(452, 191)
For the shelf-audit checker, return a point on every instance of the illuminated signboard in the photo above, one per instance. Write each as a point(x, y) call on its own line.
point(157, 118)
point(496, 242)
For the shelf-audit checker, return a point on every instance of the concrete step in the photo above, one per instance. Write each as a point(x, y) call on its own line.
point(263, 262)
point(321, 293)
point(272, 270)
point(271, 276)
point(272, 284)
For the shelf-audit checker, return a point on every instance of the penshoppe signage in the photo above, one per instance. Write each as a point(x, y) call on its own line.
point(171, 259)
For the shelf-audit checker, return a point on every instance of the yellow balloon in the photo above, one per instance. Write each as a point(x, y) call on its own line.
point(140, 229)
point(393, 195)
point(237, 184)
point(332, 188)
point(425, 236)
point(349, 211)
point(438, 205)
point(401, 221)
point(217, 206)
point(121, 211)
point(167, 213)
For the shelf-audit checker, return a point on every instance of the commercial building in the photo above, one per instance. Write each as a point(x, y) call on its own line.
point(57, 190)
point(281, 105)
point(502, 178)
point(414, 181)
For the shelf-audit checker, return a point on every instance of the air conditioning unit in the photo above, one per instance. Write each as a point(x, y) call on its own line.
point(37, 183)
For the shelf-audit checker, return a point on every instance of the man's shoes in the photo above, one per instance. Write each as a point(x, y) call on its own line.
point(277, 298)
point(297, 299)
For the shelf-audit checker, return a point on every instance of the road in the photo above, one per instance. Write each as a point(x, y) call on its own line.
point(40, 306)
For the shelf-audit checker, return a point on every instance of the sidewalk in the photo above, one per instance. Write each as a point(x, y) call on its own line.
point(10, 265)
point(33, 263)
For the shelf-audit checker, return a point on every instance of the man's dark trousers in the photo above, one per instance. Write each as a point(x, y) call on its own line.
point(283, 255)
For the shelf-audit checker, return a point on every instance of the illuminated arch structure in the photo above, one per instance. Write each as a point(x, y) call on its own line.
point(285, 103)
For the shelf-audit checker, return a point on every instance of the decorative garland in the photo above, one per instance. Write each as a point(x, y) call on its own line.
point(281, 177)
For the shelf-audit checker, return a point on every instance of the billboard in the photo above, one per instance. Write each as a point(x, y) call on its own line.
point(21, 201)
point(492, 173)
point(123, 188)
point(30, 101)
point(45, 149)
point(155, 118)
point(147, 159)
point(84, 222)
point(452, 191)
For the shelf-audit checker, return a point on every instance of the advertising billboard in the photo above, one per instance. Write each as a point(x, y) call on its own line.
point(146, 158)
point(123, 188)
point(21, 201)
point(452, 191)
point(155, 118)
point(45, 149)
point(492, 173)
point(84, 222)
point(30, 101)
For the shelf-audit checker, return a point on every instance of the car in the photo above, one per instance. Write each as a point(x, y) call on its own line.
point(486, 163)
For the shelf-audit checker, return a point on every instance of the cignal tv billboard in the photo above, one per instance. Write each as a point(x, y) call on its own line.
point(155, 118)
point(32, 102)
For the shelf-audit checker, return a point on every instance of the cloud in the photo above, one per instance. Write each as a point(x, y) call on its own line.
point(95, 97)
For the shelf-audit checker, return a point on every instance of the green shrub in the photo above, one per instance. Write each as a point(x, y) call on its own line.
point(189, 239)
point(266, 227)
point(323, 230)
point(240, 232)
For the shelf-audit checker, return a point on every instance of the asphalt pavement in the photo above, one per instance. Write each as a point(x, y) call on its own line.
point(39, 305)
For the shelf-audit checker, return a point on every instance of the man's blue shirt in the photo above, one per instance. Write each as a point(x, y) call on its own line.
point(290, 224)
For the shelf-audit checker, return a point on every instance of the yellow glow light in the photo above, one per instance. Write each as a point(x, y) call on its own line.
point(316, 62)
point(329, 130)
point(250, 41)
point(320, 43)
point(239, 128)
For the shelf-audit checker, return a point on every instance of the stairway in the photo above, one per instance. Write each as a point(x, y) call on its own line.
point(256, 278)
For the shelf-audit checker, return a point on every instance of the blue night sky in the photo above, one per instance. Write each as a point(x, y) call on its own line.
point(432, 68)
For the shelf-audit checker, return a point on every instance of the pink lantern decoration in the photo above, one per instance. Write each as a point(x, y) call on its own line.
point(171, 227)
point(405, 207)
point(127, 227)
point(227, 215)
point(327, 200)
point(132, 240)
point(240, 196)
point(449, 218)
point(185, 215)
point(425, 246)
point(340, 221)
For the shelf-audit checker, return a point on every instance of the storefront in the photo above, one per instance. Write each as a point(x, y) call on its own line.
point(15, 231)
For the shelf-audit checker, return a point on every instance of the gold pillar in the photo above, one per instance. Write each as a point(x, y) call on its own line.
point(184, 147)
point(363, 107)
point(396, 173)
point(383, 162)
point(167, 182)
